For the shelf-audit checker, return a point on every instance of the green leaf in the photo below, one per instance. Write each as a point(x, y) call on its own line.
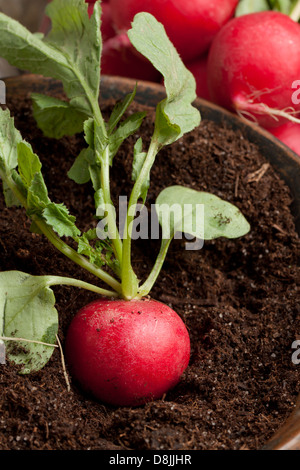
point(27, 310)
point(251, 6)
point(284, 6)
point(94, 255)
point(10, 137)
point(10, 198)
point(200, 214)
point(79, 38)
point(99, 202)
point(71, 53)
point(79, 172)
point(119, 110)
point(175, 115)
point(58, 216)
point(56, 118)
point(127, 127)
point(138, 161)
point(94, 136)
point(28, 163)
point(37, 198)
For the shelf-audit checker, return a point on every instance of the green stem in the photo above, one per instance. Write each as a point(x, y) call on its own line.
point(67, 281)
point(59, 244)
point(105, 166)
point(129, 280)
point(295, 13)
point(148, 284)
point(111, 216)
point(76, 257)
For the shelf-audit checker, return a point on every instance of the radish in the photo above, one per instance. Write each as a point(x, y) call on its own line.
point(106, 20)
point(289, 134)
point(127, 353)
point(120, 58)
point(252, 64)
point(199, 70)
point(190, 24)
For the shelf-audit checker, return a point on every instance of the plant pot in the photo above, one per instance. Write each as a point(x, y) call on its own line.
point(283, 160)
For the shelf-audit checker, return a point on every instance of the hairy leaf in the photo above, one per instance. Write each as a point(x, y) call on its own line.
point(79, 172)
point(175, 115)
point(127, 127)
point(58, 216)
point(27, 309)
point(200, 214)
point(10, 137)
point(56, 118)
point(138, 162)
point(119, 110)
point(71, 53)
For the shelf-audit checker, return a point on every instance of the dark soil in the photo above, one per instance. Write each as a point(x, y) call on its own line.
point(238, 299)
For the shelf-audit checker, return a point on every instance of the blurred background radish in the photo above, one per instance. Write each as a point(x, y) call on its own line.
point(249, 70)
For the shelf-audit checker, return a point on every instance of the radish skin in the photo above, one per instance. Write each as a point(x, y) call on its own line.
point(199, 70)
point(127, 352)
point(120, 58)
point(190, 24)
point(107, 29)
point(289, 134)
point(252, 64)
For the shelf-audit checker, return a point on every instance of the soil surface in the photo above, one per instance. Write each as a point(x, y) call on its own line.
point(238, 299)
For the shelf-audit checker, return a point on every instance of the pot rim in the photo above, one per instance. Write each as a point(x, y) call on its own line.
point(282, 158)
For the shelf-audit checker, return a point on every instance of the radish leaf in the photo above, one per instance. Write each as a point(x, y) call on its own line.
point(55, 117)
point(119, 110)
point(27, 309)
point(179, 210)
point(127, 127)
point(57, 215)
point(175, 115)
point(10, 137)
point(79, 172)
point(71, 52)
point(137, 165)
point(251, 6)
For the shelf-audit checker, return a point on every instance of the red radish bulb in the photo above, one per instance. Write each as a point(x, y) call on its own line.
point(199, 70)
point(289, 134)
point(120, 58)
point(252, 64)
point(126, 353)
point(107, 28)
point(190, 24)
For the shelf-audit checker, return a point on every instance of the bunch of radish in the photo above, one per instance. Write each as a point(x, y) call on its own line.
point(244, 57)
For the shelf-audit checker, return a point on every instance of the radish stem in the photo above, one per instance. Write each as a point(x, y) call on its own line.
point(60, 245)
point(129, 282)
point(295, 14)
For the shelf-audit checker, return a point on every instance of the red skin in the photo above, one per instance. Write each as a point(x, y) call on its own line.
point(199, 70)
point(127, 353)
point(120, 58)
point(289, 134)
point(190, 24)
point(255, 53)
point(107, 28)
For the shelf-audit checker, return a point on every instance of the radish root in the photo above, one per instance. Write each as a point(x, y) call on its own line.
point(244, 109)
